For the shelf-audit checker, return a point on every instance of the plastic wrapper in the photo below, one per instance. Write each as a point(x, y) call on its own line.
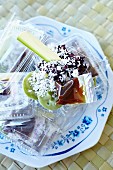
point(14, 57)
point(33, 135)
point(64, 117)
point(78, 45)
point(96, 66)
point(14, 104)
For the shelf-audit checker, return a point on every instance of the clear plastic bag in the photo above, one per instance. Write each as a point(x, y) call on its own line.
point(78, 45)
point(33, 136)
point(14, 104)
point(14, 57)
point(97, 66)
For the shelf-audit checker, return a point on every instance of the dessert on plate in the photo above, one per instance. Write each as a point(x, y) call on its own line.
point(64, 75)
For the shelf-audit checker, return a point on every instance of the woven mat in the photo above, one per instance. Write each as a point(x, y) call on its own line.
point(96, 17)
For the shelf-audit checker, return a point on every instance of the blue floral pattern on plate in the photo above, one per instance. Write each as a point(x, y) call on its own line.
point(73, 134)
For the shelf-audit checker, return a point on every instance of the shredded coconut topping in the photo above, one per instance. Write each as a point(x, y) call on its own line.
point(47, 73)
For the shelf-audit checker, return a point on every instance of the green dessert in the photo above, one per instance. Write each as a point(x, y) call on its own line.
point(28, 88)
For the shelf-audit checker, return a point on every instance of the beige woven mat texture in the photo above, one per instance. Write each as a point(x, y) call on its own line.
point(96, 17)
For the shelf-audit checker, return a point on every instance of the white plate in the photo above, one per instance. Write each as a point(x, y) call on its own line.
point(88, 128)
